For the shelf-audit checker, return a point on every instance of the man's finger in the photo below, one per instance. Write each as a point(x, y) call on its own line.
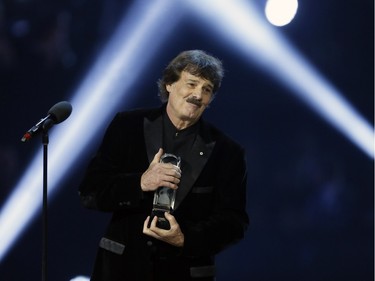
point(145, 224)
point(170, 218)
point(173, 170)
point(149, 230)
point(153, 222)
point(157, 156)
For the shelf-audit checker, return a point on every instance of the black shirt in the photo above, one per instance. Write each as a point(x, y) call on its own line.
point(178, 142)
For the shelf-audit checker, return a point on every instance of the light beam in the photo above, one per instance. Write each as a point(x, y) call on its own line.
point(134, 43)
point(240, 23)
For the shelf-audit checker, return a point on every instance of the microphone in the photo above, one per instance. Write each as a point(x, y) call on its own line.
point(57, 114)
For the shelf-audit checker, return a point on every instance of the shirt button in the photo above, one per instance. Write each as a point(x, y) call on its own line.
point(149, 243)
point(125, 203)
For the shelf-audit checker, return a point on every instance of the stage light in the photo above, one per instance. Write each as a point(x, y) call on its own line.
point(136, 41)
point(134, 44)
point(281, 12)
point(80, 278)
point(242, 26)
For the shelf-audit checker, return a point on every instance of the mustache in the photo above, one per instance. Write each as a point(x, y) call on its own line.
point(194, 100)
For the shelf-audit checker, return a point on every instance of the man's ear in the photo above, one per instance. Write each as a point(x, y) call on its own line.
point(169, 87)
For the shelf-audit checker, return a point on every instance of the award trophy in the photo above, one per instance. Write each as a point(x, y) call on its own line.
point(164, 197)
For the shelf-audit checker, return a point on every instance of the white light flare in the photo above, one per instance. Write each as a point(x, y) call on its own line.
point(80, 278)
point(241, 24)
point(118, 67)
point(281, 12)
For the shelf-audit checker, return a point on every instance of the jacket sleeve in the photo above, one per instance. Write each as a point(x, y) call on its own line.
point(112, 179)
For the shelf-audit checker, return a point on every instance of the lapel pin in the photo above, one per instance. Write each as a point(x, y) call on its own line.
point(201, 153)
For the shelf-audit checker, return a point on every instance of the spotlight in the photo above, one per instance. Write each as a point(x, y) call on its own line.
point(281, 12)
point(80, 278)
point(240, 23)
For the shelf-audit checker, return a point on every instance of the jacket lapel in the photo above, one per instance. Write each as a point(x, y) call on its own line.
point(194, 164)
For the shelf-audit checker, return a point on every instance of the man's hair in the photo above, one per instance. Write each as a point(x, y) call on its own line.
point(196, 62)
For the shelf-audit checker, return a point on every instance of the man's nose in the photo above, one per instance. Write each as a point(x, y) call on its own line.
point(198, 92)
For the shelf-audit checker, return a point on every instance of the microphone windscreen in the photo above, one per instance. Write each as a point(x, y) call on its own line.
point(60, 111)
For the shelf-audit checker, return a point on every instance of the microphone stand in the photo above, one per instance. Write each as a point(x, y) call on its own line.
point(45, 141)
point(58, 113)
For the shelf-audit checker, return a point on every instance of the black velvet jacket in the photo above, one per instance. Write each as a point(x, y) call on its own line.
point(210, 203)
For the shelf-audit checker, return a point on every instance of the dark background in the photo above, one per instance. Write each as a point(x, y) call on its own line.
point(310, 190)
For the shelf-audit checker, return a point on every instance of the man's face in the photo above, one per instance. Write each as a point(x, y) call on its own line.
point(188, 98)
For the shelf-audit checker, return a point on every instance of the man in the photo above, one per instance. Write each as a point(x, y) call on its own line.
point(209, 212)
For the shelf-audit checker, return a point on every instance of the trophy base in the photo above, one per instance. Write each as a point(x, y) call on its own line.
point(162, 222)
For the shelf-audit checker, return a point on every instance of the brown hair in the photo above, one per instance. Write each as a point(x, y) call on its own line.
point(195, 62)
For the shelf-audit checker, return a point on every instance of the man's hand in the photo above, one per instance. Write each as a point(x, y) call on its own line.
point(160, 174)
point(173, 236)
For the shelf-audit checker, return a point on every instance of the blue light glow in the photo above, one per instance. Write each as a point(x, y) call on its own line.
point(109, 80)
point(259, 42)
point(132, 47)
